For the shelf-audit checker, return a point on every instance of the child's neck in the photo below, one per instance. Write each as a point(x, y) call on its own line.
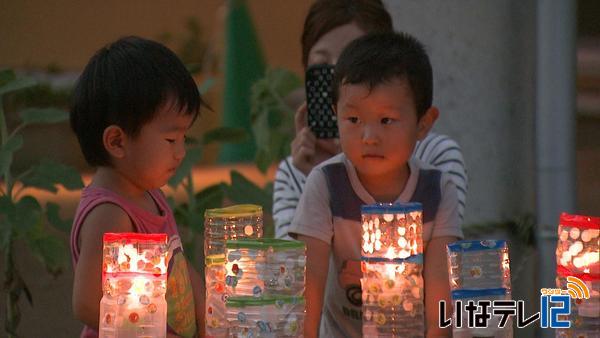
point(386, 188)
point(109, 178)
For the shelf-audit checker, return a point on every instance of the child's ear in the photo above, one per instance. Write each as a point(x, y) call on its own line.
point(426, 122)
point(114, 139)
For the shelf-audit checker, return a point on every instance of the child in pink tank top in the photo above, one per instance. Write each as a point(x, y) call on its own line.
point(131, 107)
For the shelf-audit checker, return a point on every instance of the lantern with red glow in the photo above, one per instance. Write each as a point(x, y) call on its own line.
point(578, 272)
point(134, 283)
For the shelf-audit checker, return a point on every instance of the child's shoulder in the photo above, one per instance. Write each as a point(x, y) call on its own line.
point(339, 158)
point(107, 217)
point(100, 210)
point(102, 218)
point(442, 178)
point(317, 175)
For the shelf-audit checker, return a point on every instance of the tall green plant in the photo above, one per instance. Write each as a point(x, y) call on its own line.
point(23, 217)
point(273, 119)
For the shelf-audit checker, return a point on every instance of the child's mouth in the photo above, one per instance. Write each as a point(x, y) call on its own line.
point(373, 156)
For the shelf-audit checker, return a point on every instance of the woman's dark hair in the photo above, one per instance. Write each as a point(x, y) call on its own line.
point(125, 84)
point(374, 59)
point(325, 15)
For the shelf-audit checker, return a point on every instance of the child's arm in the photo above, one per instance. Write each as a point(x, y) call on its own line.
point(317, 265)
point(198, 290)
point(437, 285)
point(87, 285)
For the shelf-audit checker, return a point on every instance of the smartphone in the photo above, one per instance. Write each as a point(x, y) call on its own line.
point(321, 117)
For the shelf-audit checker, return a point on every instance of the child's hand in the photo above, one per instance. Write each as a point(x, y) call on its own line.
point(307, 150)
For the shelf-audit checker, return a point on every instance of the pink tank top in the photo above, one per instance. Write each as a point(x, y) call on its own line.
point(181, 316)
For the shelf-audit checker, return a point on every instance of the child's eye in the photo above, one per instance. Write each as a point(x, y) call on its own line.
point(353, 120)
point(170, 140)
point(387, 120)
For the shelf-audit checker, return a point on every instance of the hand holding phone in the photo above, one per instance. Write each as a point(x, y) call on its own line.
point(306, 149)
point(321, 117)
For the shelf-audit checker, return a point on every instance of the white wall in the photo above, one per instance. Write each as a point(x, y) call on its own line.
point(483, 57)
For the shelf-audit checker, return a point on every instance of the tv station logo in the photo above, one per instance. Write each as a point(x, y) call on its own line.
point(576, 289)
point(555, 304)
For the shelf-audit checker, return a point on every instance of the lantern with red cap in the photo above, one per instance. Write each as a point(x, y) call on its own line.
point(134, 283)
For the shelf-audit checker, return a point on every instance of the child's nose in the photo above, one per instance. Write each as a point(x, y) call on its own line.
point(370, 134)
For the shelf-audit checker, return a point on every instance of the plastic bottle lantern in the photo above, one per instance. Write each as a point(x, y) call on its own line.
point(267, 266)
point(479, 271)
point(392, 264)
point(134, 283)
point(220, 225)
point(578, 255)
point(265, 285)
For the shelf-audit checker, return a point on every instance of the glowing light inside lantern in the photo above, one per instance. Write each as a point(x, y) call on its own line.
point(392, 287)
point(134, 285)
point(578, 255)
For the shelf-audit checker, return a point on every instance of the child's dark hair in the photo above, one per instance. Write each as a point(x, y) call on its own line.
point(326, 15)
point(125, 84)
point(381, 57)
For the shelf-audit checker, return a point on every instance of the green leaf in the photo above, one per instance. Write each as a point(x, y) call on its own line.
point(279, 145)
point(272, 118)
point(206, 85)
point(268, 190)
point(4, 234)
point(275, 119)
point(7, 210)
point(191, 141)
point(14, 287)
point(262, 160)
point(51, 251)
point(242, 191)
point(207, 197)
point(283, 80)
point(196, 224)
point(6, 75)
point(225, 134)
point(16, 84)
point(192, 156)
point(27, 292)
point(8, 149)
point(262, 131)
point(47, 174)
point(43, 115)
point(52, 214)
point(171, 202)
point(189, 248)
point(268, 228)
point(28, 214)
point(6, 205)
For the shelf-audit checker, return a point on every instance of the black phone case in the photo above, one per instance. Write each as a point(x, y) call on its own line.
point(321, 117)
